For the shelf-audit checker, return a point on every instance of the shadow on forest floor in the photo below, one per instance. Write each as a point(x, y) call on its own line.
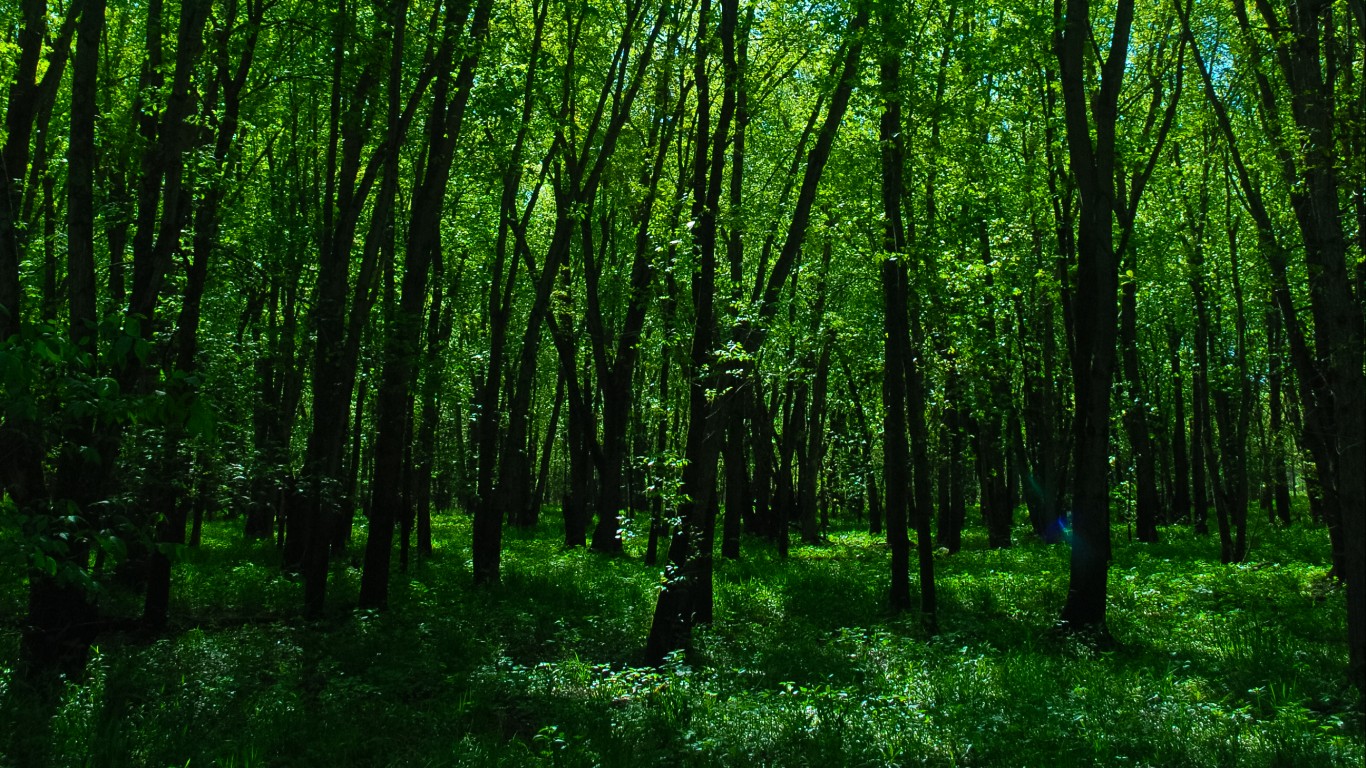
point(804, 664)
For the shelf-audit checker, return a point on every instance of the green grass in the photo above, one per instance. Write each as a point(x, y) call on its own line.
point(1215, 666)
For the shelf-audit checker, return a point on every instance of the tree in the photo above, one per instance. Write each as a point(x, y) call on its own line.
point(675, 611)
point(1092, 163)
point(402, 347)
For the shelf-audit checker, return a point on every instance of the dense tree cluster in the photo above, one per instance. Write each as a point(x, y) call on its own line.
point(726, 267)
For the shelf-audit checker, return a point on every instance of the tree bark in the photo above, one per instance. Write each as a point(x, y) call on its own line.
point(494, 465)
point(20, 113)
point(895, 457)
point(1280, 488)
point(1148, 500)
point(991, 438)
point(1093, 168)
point(402, 344)
point(952, 506)
point(1181, 482)
point(615, 374)
point(1316, 186)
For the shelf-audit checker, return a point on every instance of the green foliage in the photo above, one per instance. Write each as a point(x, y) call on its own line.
point(804, 666)
point(61, 404)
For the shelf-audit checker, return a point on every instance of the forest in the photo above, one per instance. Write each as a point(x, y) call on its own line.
point(682, 382)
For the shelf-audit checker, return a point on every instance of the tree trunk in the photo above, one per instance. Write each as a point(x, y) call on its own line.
point(81, 162)
point(953, 506)
point(430, 417)
point(738, 497)
point(1232, 413)
point(896, 458)
point(309, 534)
point(1199, 432)
point(1202, 448)
point(815, 447)
point(178, 463)
point(547, 449)
point(1181, 490)
point(1092, 164)
point(1315, 191)
point(991, 440)
point(615, 375)
point(675, 611)
point(793, 440)
point(1280, 489)
point(813, 419)
point(764, 520)
point(671, 627)
point(1136, 414)
point(20, 113)
point(401, 347)
point(576, 509)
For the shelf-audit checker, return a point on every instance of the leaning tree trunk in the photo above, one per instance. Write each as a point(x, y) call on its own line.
point(501, 458)
point(671, 628)
point(615, 375)
point(309, 523)
point(401, 347)
point(813, 417)
point(952, 502)
point(231, 80)
point(1315, 187)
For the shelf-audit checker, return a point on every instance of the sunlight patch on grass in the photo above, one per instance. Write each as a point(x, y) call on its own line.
point(804, 664)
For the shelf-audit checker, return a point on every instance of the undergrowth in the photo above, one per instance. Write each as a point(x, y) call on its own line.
point(1214, 665)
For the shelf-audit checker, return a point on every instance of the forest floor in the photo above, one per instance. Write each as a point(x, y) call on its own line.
point(1215, 665)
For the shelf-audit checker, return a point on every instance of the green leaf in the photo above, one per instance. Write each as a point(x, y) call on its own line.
point(202, 420)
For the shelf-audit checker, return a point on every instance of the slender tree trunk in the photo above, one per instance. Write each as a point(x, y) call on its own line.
point(229, 81)
point(815, 447)
point(1233, 413)
point(765, 514)
point(430, 417)
point(793, 438)
point(616, 375)
point(20, 113)
point(81, 162)
point(1136, 414)
point(1181, 491)
point(672, 625)
point(1202, 436)
point(1199, 431)
point(896, 319)
point(61, 616)
point(991, 439)
point(495, 465)
point(576, 510)
point(896, 459)
point(547, 448)
point(1338, 321)
point(813, 419)
point(1280, 489)
point(676, 609)
point(401, 345)
point(308, 537)
point(738, 498)
point(953, 507)
point(1092, 164)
